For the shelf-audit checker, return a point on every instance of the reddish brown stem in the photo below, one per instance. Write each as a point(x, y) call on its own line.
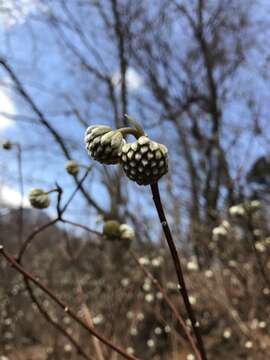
point(60, 212)
point(68, 311)
point(178, 269)
point(28, 240)
point(55, 323)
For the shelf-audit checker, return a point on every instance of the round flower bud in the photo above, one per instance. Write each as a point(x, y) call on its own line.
point(144, 160)
point(126, 232)
point(39, 199)
point(220, 232)
point(111, 229)
point(103, 144)
point(237, 210)
point(7, 145)
point(72, 167)
point(255, 205)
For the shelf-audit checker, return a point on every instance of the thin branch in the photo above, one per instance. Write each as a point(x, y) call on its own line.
point(28, 240)
point(53, 322)
point(84, 227)
point(60, 212)
point(67, 310)
point(21, 188)
point(79, 184)
point(120, 37)
point(258, 259)
point(88, 319)
point(49, 127)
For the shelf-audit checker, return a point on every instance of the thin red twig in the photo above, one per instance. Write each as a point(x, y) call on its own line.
point(68, 311)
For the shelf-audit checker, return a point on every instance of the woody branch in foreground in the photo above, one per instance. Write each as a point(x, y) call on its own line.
point(40, 199)
point(145, 162)
point(58, 301)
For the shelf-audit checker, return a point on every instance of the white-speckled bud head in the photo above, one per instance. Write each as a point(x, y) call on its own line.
point(39, 199)
point(72, 167)
point(103, 144)
point(144, 161)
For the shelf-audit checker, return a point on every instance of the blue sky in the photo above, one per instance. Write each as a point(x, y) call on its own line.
point(31, 49)
point(44, 67)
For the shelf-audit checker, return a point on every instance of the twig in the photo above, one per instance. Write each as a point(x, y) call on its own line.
point(44, 121)
point(67, 310)
point(88, 319)
point(21, 210)
point(73, 257)
point(84, 227)
point(32, 236)
point(54, 323)
point(79, 184)
point(60, 212)
point(43, 312)
point(258, 259)
point(178, 268)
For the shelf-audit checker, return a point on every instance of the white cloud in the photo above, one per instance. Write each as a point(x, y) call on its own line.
point(134, 80)
point(6, 106)
point(14, 12)
point(4, 122)
point(11, 198)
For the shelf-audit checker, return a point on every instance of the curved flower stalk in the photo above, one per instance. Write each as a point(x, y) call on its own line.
point(145, 162)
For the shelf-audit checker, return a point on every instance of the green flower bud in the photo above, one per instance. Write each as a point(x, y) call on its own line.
point(39, 199)
point(144, 160)
point(104, 144)
point(111, 229)
point(72, 167)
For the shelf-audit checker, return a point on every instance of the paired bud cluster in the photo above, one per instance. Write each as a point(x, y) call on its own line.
point(112, 229)
point(144, 161)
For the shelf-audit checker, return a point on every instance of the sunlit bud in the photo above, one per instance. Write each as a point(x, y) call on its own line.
point(39, 199)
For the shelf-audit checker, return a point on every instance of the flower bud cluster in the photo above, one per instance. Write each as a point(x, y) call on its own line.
point(113, 230)
point(144, 161)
